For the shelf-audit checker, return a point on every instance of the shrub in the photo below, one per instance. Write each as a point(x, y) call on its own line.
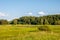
point(44, 28)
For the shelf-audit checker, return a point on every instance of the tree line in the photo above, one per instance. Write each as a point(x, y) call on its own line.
point(32, 20)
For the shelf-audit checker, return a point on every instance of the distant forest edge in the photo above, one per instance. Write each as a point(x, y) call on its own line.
point(32, 20)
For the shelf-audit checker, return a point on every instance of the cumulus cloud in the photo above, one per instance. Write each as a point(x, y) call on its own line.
point(3, 14)
point(41, 13)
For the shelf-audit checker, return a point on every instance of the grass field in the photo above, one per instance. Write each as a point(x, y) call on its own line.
point(28, 32)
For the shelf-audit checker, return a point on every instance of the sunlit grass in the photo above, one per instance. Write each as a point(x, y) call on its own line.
point(28, 32)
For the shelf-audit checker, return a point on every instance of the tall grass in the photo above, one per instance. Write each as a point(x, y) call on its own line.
point(28, 32)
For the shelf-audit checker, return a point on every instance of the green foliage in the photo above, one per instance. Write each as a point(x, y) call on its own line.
point(57, 22)
point(32, 20)
point(44, 20)
point(3, 22)
point(44, 28)
point(15, 21)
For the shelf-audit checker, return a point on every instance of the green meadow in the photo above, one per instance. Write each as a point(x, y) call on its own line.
point(29, 32)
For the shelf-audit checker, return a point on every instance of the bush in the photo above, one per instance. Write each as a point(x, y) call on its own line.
point(44, 28)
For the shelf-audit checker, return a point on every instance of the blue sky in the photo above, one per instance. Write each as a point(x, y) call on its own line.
point(10, 9)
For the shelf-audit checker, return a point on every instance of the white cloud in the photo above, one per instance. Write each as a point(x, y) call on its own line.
point(3, 14)
point(41, 13)
point(29, 13)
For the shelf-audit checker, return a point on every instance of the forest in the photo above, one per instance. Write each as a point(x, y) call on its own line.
point(33, 20)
